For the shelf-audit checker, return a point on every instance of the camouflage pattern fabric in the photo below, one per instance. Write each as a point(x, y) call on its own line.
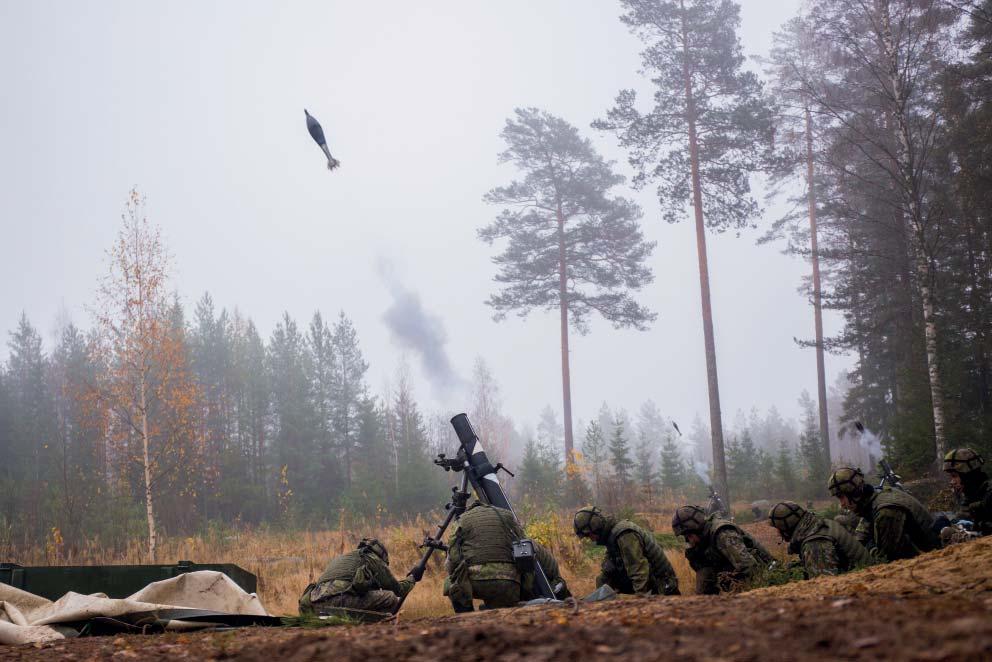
point(370, 607)
point(635, 563)
point(355, 573)
point(975, 502)
point(900, 526)
point(480, 559)
point(725, 557)
point(550, 567)
point(826, 548)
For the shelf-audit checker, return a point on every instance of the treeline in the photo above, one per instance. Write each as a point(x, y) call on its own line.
point(646, 460)
point(885, 119)
point(284, 431)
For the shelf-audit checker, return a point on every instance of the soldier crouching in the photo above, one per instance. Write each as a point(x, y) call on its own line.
point(824, 546)
point(722, 554)
point(480, 562)
point(356, 585)
point(634, 561)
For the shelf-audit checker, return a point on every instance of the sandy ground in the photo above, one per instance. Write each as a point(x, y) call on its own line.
point(936, 607)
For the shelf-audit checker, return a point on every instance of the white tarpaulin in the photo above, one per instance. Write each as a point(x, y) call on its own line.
point(28, 618)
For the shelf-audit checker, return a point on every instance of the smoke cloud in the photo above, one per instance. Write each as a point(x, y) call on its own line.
point(702, 470)
point(414, 328)
point(871, 443)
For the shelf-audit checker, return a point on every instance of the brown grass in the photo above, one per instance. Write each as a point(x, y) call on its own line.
point(285, 562)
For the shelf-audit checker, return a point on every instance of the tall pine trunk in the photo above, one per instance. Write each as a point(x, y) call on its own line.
point(716, 420)
point(566, 383)
point(821, 378)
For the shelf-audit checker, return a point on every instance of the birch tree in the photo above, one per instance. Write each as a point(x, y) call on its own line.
point(148, 387)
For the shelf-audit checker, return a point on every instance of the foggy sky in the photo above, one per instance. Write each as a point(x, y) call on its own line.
point(200, 105)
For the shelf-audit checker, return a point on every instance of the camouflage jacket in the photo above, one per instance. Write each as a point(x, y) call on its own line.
point(900, 526)
point(725, 549)
point(357, 573)
point(975, 505)
point(481, 548)
point(635, 562)
point(482, 544)
point(825, 547)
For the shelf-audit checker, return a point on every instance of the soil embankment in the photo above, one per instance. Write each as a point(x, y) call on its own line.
point(936, 607)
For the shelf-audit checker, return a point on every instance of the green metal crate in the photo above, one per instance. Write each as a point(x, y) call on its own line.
point(117, 581)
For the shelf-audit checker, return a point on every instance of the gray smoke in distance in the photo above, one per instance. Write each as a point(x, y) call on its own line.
point(871, 443)
point(702, 470)
point(416, 329)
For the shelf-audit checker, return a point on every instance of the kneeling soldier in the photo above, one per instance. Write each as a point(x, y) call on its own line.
point(357, 584)
point(634, 562)
point(895, 522)
point(972, 488)
point(721, 553)
point(480, 561)
point(824, 546)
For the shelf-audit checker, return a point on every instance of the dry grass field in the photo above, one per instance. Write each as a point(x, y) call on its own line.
point(285, 562)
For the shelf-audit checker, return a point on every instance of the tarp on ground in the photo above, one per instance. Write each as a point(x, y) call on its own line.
point(181, 603)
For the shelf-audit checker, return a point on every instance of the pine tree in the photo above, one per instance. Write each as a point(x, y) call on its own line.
point(710, 129)
point(571, 246)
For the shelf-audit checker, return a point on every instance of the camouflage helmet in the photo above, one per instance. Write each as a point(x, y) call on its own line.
point(785, 517)
point(847, 481)
point(688, 519)
point(589, 520)
point(376, 547)
point(962, 461)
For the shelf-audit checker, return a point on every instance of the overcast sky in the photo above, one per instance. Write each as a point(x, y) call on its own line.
point(200, 105)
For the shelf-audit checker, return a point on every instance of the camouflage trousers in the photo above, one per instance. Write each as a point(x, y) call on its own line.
point(710, 581)
point(496, 584)
point(372, 606)
point(494, 593)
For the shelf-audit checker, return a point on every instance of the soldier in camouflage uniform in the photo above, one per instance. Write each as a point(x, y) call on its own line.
point(972, 488)
point(357, 584)
point(896, 524)
point(824, 546)
point(634, 561)
point(480, 561)
point(722, 554)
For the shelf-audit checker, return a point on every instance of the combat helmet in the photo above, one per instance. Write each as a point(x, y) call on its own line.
point(785, 517)
point(589, 520)
point(688, 519)
point(376, 547)
point(847, 481)
point(962, 461)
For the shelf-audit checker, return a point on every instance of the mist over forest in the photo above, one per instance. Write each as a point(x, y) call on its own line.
point(541, 264)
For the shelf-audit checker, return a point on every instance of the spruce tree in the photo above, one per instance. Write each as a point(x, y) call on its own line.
point(785, 470)
point(348, 390)
point(620, 459)
point(673, 468)
point(595, 451)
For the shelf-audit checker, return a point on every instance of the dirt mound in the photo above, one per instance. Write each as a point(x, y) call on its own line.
point(965, 568)
point(936, 607)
